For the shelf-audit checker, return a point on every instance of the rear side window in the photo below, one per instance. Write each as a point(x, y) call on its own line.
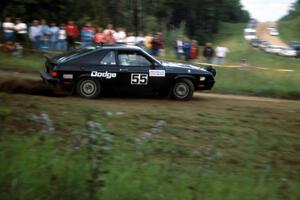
point(90, 59)
point(109, 59)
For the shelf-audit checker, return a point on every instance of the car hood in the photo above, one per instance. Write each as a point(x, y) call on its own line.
point(177, 65)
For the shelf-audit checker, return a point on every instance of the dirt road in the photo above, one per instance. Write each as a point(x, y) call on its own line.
point(37, 87)
point(263, 33)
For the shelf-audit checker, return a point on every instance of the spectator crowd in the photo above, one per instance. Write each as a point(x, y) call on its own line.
point(41, 35)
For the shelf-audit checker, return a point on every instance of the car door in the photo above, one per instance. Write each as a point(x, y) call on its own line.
point(107, 70)
point(133, 71)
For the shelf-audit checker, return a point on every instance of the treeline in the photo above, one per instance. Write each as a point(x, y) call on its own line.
point(201, 18)
point(294, 11)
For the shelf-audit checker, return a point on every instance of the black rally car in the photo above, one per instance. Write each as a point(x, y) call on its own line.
point(91, 70)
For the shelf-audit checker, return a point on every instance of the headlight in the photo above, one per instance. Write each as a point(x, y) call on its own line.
point(202, 78)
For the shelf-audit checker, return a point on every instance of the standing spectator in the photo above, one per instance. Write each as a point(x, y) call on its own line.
point(35, 33)
point(221, 52)
point(208, 53)
point(99, 36)
point(131, 39)
point(45, 35)
point(120, 35)
point(160, 41)
point(8, 29)
point(109, 30)
point(187, 48)
point(155, 46)
point(72, 34)
point(54, 32)
point(62, 36)
point(87, 34)
point(179, 47)
point(140, 40)
point(109, 39)
point(21, 32)
point(148, 42)
point(194, 51)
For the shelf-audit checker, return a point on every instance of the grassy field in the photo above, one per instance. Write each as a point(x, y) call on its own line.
point(289, 26)
point(161, 149)
point(289, 30)
point(27, 63)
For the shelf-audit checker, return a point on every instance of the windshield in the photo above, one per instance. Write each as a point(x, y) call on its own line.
point(159, 62)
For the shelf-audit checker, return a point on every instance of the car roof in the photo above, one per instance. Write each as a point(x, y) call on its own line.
point(117, 47)
point(96, 48)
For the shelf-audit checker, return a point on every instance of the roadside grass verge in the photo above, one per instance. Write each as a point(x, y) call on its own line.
point(205, 149)
point(289, 29)
point(256, 82)
point(26, 63)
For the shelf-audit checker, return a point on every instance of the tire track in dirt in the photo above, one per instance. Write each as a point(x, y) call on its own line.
point(25, 86)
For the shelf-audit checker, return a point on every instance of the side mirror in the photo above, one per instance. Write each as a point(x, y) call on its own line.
point(154, 65)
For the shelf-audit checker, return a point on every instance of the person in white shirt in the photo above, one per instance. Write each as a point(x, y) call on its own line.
point(8, 29)
point(131, 39)
point(179, 47)
point(140, 40)
point(120, 35)
point(54, 31)
point(62, 36)
point(21, 31)
point(35, 33)
point(221, 52)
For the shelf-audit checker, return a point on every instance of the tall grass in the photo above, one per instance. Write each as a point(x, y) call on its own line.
point(34, 170)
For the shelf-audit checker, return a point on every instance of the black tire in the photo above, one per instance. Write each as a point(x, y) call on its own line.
point(88, 88)
point(183, 90)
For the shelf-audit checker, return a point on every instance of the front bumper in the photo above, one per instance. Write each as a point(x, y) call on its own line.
point(206, 85)
point(47, 78)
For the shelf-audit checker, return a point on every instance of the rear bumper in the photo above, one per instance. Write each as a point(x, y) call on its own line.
point(47, 78)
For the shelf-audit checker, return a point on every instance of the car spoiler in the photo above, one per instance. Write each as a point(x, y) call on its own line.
point(51, 59)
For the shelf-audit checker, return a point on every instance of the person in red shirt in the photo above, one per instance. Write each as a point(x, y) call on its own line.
point(109, 39)
point(194, 51)
point(99, 36)
point(72, 33)
point(160, 44)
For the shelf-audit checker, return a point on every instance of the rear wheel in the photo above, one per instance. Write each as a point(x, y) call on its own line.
point(88, 88)
point(183, 89)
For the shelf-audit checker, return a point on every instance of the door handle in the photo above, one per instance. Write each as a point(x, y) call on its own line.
point(123, 70)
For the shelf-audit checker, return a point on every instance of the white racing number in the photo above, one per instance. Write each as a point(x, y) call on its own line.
point(139, 79)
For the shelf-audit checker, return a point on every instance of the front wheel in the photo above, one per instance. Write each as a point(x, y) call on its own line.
point(89, 88)
point(183, 89)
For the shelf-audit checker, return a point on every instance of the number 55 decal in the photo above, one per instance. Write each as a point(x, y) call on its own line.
point(139, 79)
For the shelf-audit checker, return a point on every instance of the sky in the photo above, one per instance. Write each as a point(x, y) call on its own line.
point(267, 10)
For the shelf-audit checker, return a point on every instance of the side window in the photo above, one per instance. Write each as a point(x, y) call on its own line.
point(109, 59)
point(89, 59)
point(132, 59)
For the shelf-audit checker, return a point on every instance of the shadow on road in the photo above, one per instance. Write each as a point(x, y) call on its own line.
point(39, 88)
